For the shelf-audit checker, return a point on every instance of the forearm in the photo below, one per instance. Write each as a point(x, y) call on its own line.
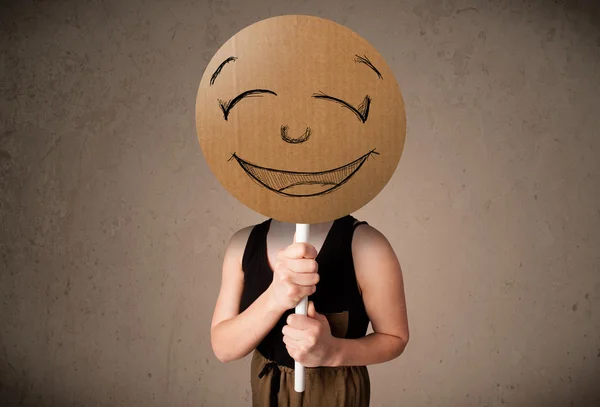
point(369, 350)
point(235, 338)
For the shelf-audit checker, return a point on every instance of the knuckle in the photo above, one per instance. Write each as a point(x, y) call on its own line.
point(282, 279)
point(290, 251)
point(279, 271)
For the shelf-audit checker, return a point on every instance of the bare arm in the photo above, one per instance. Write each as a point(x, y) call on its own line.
point(380, 280)
point(235, 335)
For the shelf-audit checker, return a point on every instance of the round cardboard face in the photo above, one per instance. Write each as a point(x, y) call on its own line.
point(300, 119)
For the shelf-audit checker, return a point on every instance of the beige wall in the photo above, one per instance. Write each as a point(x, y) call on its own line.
point(113, 228)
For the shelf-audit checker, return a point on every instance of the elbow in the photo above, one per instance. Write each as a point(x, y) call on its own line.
point(401, 343)
point(222, 357)
point(222, 351)
point(218, 350)
point(404, 341)
point(221, 354)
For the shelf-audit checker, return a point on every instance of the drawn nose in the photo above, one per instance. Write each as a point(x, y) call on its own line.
point(294, 140)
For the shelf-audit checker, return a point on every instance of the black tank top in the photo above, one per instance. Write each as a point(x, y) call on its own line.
point(337, 290)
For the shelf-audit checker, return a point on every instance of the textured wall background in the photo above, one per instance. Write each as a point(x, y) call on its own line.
point(112, 227)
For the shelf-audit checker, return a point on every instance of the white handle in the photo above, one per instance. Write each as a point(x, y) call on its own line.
point(302, 231)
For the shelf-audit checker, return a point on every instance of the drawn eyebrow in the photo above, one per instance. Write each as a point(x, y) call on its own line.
point(228, 105)
point(218, 71)
point(362, 112)
point(365, 60)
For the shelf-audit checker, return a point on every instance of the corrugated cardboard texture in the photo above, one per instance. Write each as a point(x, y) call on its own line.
point(300, 119)
point(112, 226)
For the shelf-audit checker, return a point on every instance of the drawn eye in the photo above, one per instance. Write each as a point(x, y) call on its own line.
point(226, 106)
point(362, 112)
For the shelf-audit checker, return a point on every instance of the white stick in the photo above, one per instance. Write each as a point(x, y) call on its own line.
point(302, 232)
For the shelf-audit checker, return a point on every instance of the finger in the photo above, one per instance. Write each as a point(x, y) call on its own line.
point(296, 354)
point(311, 310)
point(321, 317)
point(290, 344)
point(304, 266)
point(300, 322)
point(300, 250)
point(305, 291)
point(303, 279)
point(293, 333)
point(312, 313)
point(297, 285)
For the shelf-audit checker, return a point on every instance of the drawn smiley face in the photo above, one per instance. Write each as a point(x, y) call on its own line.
point(300, 119)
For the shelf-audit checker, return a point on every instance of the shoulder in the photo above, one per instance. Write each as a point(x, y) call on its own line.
point(371, 249)
point(366, 236)
point(241, 236)
point(237, 244)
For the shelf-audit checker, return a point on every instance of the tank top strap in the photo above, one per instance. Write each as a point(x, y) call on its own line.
point(359, 320)
point(346, 232)
point(255, 246)
point(358, 223)
point(257, 276)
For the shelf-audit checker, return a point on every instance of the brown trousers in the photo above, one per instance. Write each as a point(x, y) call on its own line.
point(343, 386)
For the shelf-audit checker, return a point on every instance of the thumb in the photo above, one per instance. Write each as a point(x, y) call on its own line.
point(312, 313)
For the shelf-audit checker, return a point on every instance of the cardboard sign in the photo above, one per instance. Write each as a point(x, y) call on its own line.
point(300, 119)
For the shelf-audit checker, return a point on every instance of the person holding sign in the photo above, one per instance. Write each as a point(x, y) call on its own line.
point(302, 120)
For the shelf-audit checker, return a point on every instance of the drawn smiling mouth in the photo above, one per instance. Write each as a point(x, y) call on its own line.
point(302, 184)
